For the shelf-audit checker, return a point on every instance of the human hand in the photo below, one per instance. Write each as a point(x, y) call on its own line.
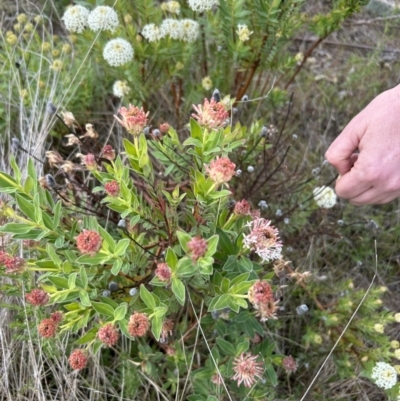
point(371, 176)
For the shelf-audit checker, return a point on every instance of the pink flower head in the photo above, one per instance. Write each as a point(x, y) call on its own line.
point(197, 248)
point(260, 293)
point(163, 272)
point(164, 127)
point(37, 297)
point(57, 317)
point(246, 369)
point(263, 240)
point(108, 152)
point(138, 324)
point(242, 208)
point(108, 335)
point(133, 119)
point(77, 359)
point(217, 379)
point(289, 364)
point(88, 242)
point(210, 114)
point(47, 328)
point(221, 170)
point(166, 329)
point(89, 161)
point(13, 264)
point(112, 188)
point(266, 310)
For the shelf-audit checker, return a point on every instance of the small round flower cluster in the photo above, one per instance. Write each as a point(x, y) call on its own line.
point(261, 296)
point(121, 88)
point(108, 152)
point(221, 170)
point(289, 364)
point(243, 32)
point(210, 114)
point(134, 119)
point(202, 5)
point(325, 197)
point(263, 240)
point(76, 18)
point(185, 29)
point(197, 247)
point(89, 161)
point(77, 359)
point(138, 324)
point(118, 52)
point(112, 188)
point(48, 327)
point(206, 83)
point(37, 297)
point(88, 242)
point(163, 272)
point(242, 208)
point(13, 264)
point(103, 18)
point(246, 369)
point(384, 375)
point(108, 335)
point(171, 7)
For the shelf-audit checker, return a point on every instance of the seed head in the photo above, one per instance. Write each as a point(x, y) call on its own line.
point(13, 264)
point(289, 364)
point(166, 329)
point(88, 242)
point(108, 335)
point(37, 297)
point(138, 324)
point(246, 369)
point(77, 359)
point(108, 152)
point(57, 317)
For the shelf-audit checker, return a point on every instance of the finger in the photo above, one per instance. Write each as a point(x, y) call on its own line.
point(350, 185)
point(373, 197)
point(340, 153)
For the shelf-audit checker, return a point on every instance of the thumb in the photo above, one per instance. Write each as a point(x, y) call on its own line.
point(341, 152)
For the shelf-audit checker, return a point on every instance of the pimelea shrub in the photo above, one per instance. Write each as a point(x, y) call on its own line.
point(145, 245)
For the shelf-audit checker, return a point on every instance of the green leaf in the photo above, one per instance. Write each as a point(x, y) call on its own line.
point(84, 297)
point(122, 246)
point(183, 239)
point(89, 336)
point(226, 346)
point(230, 264)
point(178, 288)
point(116, 267)
point(16, 228)
point(195, 130)
point(171, 259)
point(16, 169)
point(6, 181)
point(272, 375)
point(53, 255)
point(212, 244)
point(71, 281)
point(26, 207)
point(57, 215)
point(84, 278)
point(242, 347)
point(103, 308)
point(98, 259)
point(246, 263)
point(108, 239)
point(60, 282)
point(147, 297)
point(156, 326)
point(160, 311)
point(186, 267)
point(226, 243)
point(220, 302)
point(120, 312)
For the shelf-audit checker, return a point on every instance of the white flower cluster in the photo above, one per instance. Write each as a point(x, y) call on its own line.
point(171, 6)
point(118, 52)
point(76, 18)
point(121, 88)
point(152, 33)
point(185, 29)
point(384, 375)
point(202, 5)
point(325, 197)
point(243, 32)
point(103, 18)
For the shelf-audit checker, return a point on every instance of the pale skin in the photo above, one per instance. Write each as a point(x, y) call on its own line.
point(367, 153)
